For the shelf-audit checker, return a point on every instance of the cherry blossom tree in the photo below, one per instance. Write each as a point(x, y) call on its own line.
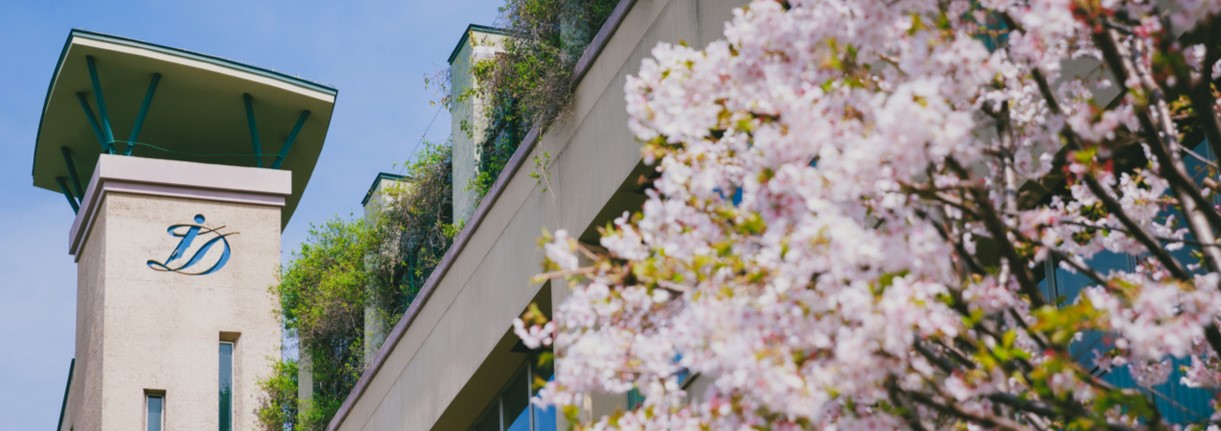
point(863, 206)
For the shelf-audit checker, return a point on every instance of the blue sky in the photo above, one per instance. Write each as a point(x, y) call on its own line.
point(375, 52)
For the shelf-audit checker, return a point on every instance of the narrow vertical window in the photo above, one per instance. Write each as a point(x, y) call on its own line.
point(515, 402)
point(544, 418)
point(226, 386)
point(155, 411)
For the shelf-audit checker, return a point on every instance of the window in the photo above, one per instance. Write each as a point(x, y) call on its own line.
point(735, 197)
point(634, 399)
point(511, 409)
point(225, 381)
point(154, 407)
point(1179, 404)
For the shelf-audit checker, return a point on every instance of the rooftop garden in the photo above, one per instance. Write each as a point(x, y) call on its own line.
point(529, 84)
point(352, 280)
point(349, 283)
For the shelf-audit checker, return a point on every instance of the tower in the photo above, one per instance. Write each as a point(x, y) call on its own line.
point(183, 169)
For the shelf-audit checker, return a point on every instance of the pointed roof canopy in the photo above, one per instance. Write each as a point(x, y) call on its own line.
point(121, 96)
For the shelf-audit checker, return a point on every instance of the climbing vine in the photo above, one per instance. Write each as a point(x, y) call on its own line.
point(279, 407)
point(414, 228)
point(347, 269)
point(530, 82)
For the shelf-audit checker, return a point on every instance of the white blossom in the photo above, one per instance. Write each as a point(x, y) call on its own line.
point(884, 151)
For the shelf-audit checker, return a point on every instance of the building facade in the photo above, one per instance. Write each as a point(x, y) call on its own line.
point(452, 362)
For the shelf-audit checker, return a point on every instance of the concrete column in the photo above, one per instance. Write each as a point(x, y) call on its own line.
point(305, 379)
point(469, 123)
point(385, 188)
point(375, 332)
point(172, 259)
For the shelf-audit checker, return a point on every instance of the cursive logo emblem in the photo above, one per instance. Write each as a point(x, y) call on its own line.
point(189, 233)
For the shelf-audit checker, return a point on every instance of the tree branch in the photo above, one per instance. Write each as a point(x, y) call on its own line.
point(1016, 264)
point(1199, 91)
point(954, 410)
point(906, 411)
point(1134, 229)
point(1164, 144)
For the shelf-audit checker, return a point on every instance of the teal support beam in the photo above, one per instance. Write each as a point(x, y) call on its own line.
point(254, 130)
point(97, 92)
point(93, 121)
point(76, 180)
point(68, 387)
point(148, 100)
point(63, 188)
point(288, 143)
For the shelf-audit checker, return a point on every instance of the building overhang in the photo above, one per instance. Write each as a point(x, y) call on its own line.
point(466, 35)
point(377, 185)
point(112, 95)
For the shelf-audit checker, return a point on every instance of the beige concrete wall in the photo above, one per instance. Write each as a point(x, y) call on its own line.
point(84, 407)
point(456, 332)
point(467, 118)
point(139, 329)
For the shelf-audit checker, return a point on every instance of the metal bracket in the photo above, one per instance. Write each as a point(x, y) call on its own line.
point(288, 143)
point(76, 180)
point(63, 188)
point(254, 130)
point(102, 129)
point(257, 144)
point(148, 100)
point(97, 92)
point(93, 121)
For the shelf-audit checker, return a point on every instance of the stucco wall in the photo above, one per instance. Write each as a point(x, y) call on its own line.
point(85, 395)
point(139, 329)
point(454, 335)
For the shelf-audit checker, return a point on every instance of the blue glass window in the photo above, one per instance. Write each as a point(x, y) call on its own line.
point(634, 399)
point(511, 409)
point(226, 386)
point(1177, 403)
point(544, 418)
point(155, 403)
point(736, 197)
point(516, 403)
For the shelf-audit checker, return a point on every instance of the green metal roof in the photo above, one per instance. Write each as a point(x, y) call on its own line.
point(378, 180)
point(466, 35)
point(196, 114)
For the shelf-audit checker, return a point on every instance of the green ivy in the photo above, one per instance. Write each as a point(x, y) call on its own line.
point(414, 228)
point(346, 266)
point(278, 408)
point(531, 82)
point(322, 295)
